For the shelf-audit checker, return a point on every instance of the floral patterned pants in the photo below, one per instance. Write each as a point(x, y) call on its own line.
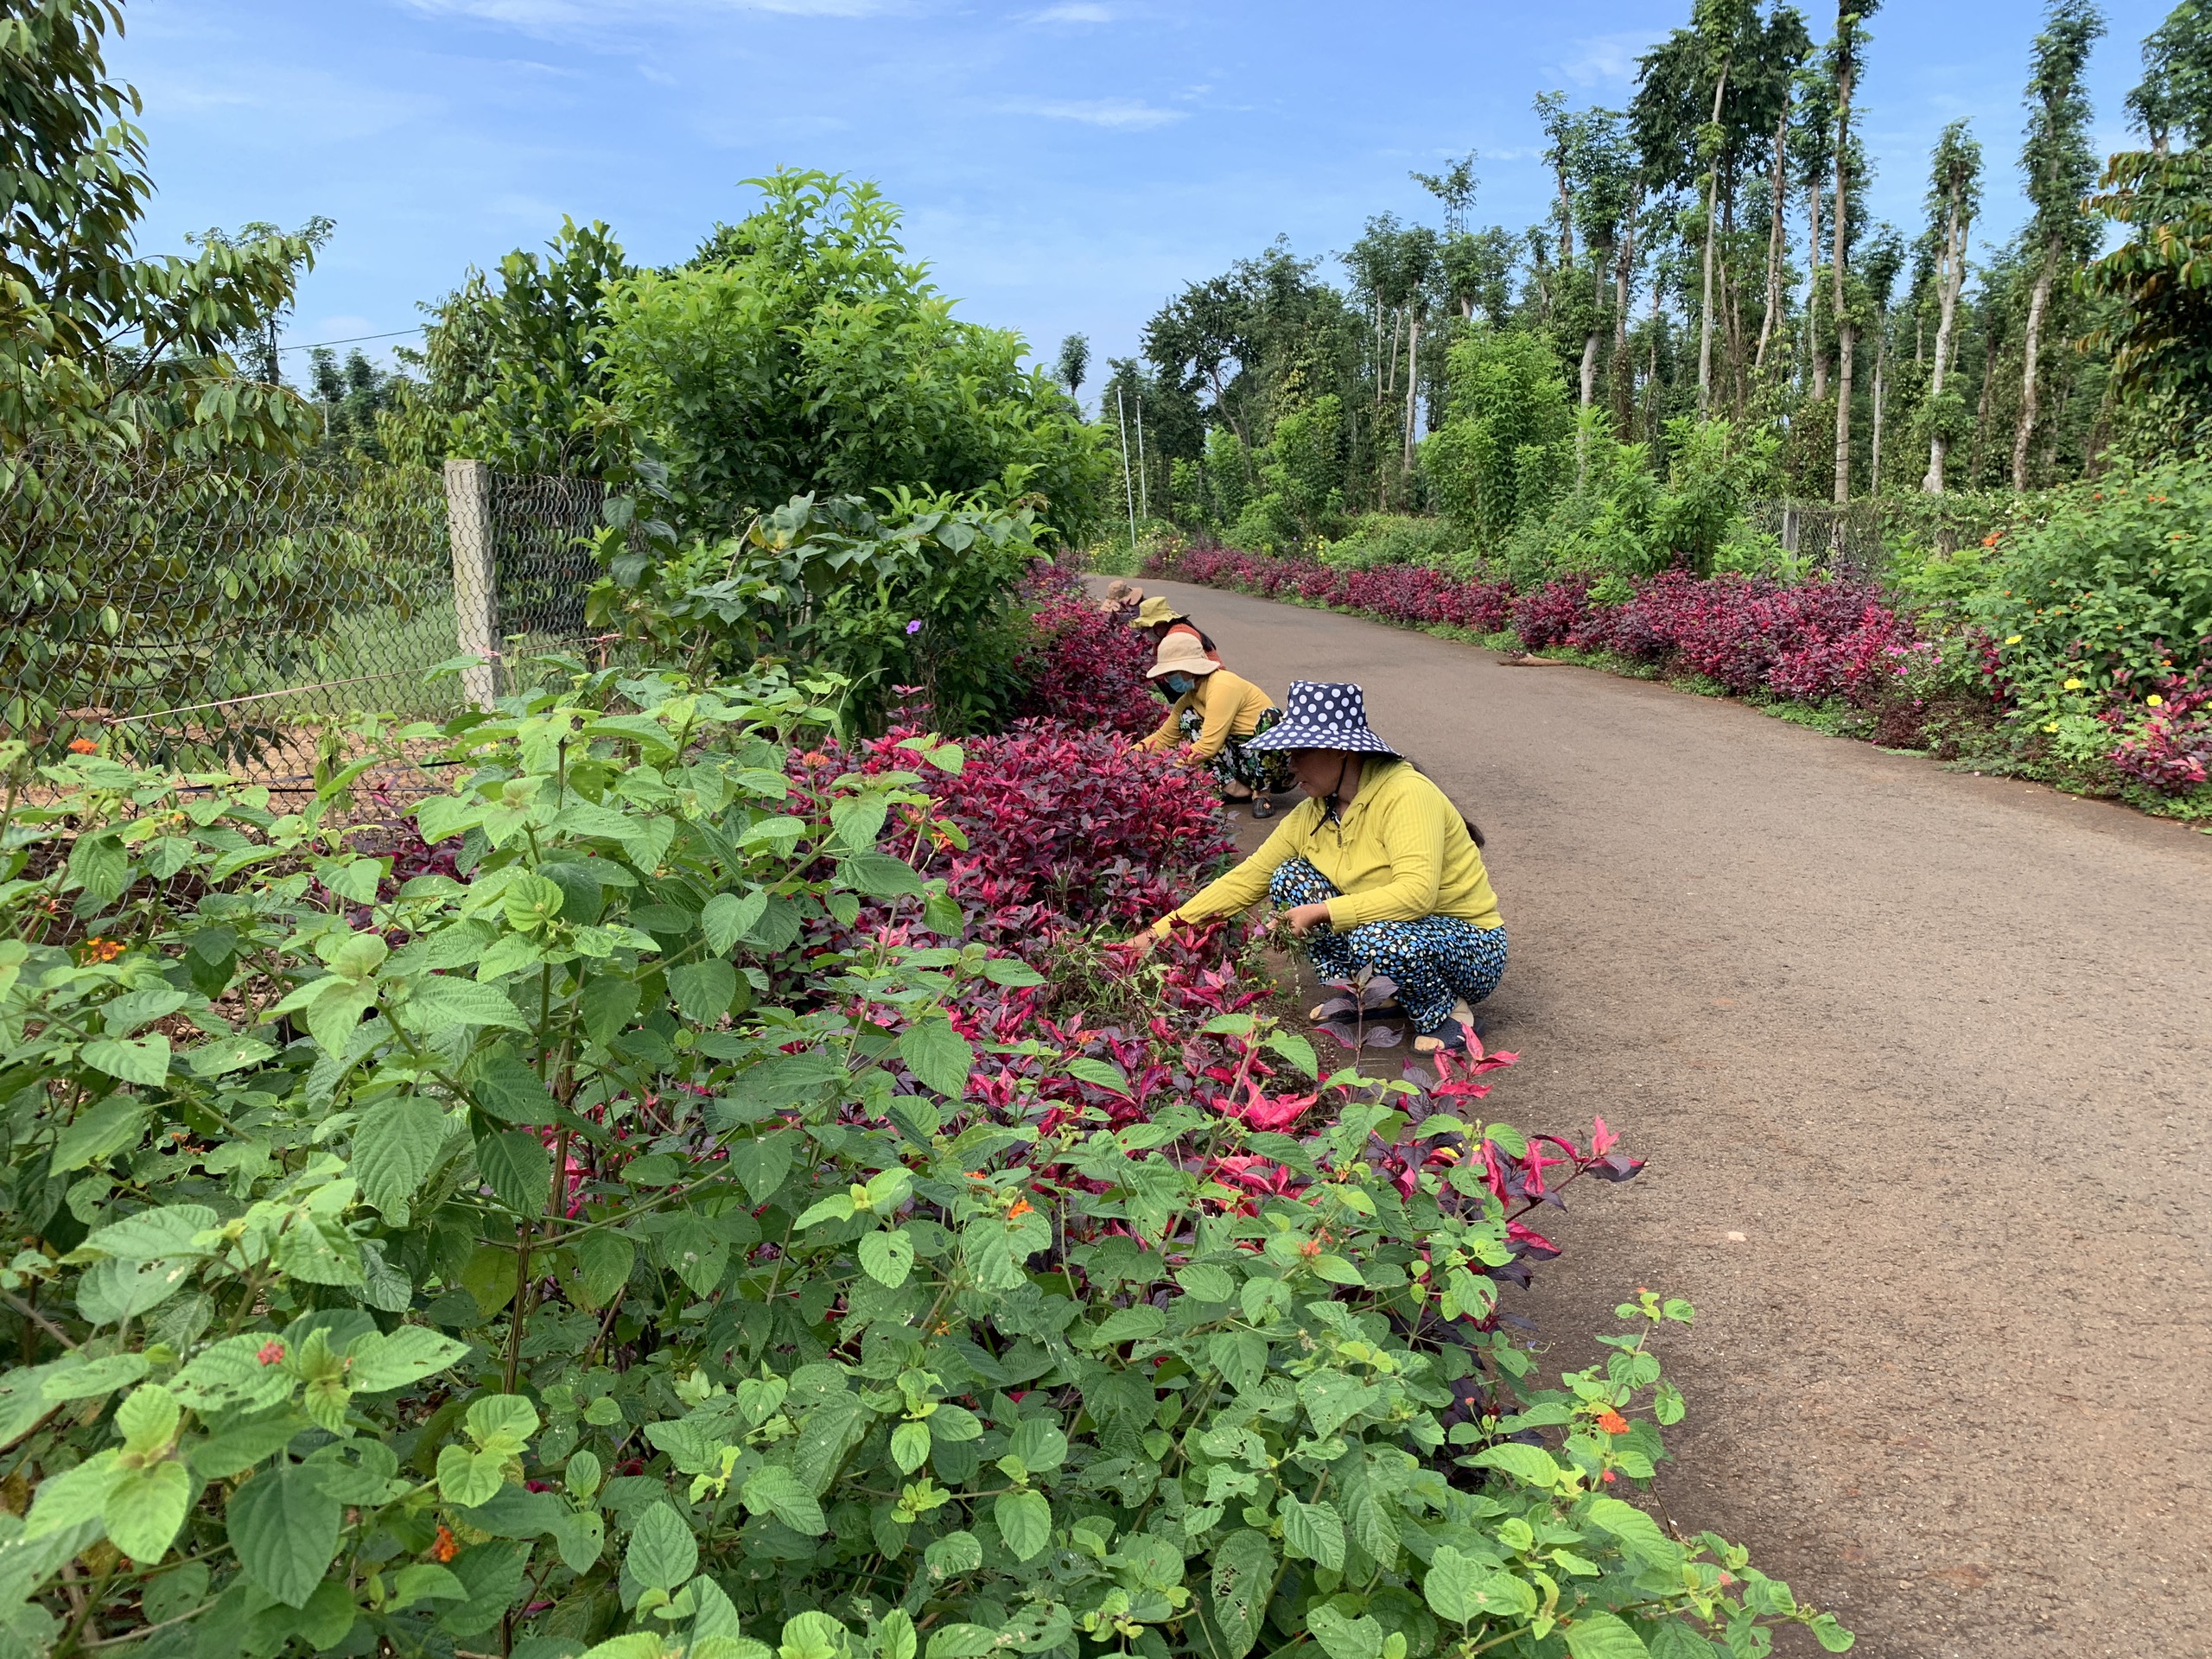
point(1266, 771)
point(1433, 962)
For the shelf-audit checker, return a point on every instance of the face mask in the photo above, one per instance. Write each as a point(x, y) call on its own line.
point(1177, 685)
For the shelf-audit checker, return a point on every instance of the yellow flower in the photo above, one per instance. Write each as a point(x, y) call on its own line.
point(2073, 685)
point(2050, 726)
point(2155, 701)
point(2013, 639)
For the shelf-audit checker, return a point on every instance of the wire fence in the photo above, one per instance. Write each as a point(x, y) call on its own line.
point(231, 617)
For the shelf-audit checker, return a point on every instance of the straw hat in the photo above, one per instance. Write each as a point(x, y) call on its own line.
point(1181, 653)
point(1154, 612)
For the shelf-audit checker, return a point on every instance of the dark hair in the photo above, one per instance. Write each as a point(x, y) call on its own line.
point(1474, 829)
point(1159, 632)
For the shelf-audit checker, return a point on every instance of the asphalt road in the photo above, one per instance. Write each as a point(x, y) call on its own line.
point(1923, 1065)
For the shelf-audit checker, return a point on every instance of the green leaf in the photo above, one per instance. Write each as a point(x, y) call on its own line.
point(230, 1453)
point(763, 1162)
point(1531, 1464)
point(1332, 1399)
point(1337, 1271)
point(730, 917)
point(1129, 1324)
point(426, 1582)
point(144, 1508)
point(895, 1636)
point(939, 1056)
point(1295, 1048)
point(395, 1145)
point(858, 820)
point(114, 1291)
point(663, 1554)
point(333, 1012)
point(506, 1089)
point(1831, 1635)
point(502, 1423)
point(704, 990)
point(887, 1257)
point(910, 1446)
point(1604, 1635)
point(517, 1167)
point(84, 1379)
point(143, 1060)
point(99, 1134)
point(1025, 1521)
point(603, 1264)
point(153, 1234)
point(962, 1640)
point(777, 1491)
point(383, 1363)
point(530, 899)
point(1009, 971)
point(1314, 1531)
point(24, 1402)
point(1243, 1580)
point(1639, 1535)
point(880, 876)
point(1099, 1073)
point(441, 1002)
point(284, 1530)
point(1040, 1443)
point(73, 1496)
point(467, 1478)
point(98, 864)
point(1453, 1585)
point(1344, 1638)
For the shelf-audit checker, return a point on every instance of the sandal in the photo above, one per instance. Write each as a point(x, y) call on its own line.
point(1263, 807)
point(1450, 1038)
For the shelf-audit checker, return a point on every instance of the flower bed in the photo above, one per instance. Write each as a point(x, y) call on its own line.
point(1841, 644)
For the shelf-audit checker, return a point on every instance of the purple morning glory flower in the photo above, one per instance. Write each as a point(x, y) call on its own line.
point(914, 627)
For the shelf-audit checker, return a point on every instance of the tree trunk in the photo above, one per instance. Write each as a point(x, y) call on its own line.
point(1413, 386)
point(2037, 302)
point(1815, 356)
point(1950, 277)
point(1767, 323)
point(1705, 313)
point(1881, 391)
point(1847, 336)
point(1981, 415)
point(1620, 375)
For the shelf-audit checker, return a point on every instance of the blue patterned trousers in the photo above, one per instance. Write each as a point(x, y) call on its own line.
point(1433, 962)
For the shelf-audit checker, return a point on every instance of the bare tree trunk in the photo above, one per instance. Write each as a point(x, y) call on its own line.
point(1881, 394)
point(1981, 416)
point(2038, 300)
point(1774, 241)
point(1846, 334)
point(1950, 279)
point(1412, 387)
point(1814, 355)
point(1705, 314)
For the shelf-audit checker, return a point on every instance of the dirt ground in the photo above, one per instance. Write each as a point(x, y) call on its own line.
point(1923, 1065)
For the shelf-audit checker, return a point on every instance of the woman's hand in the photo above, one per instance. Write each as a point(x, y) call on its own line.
point(1304, 918)
point(1139, 944)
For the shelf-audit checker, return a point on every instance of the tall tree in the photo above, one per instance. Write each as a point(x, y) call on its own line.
point(1787, 47)
point(1073, 362)
point(96, 343)
point(1812, 150)
point(1847, 56)
point(2176, 92)
point(1878, 272)
point(1954, 198)
point(2060, 167)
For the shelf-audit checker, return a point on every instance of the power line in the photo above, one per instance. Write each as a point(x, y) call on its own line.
point(355, 340)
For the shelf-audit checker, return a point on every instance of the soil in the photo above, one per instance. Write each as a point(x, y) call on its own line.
point(1923, 1065)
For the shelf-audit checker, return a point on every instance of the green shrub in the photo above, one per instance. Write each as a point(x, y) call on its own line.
point(1380, 539)
point(545, 1255)
point(2110, 597)
point(1496, 460)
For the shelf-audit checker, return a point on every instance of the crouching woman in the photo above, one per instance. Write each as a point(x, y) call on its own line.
point(1375, 869)
point(1221, 715)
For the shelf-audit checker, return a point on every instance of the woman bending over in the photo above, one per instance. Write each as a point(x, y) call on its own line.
point(1376, 868)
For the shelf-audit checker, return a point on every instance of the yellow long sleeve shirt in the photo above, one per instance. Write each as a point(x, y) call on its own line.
point(1229, 705)
point(1399, 852)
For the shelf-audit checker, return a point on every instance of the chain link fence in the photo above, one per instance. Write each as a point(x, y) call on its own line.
point(227, 617)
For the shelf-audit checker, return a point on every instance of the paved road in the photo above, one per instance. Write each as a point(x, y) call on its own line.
point(1923, 1063)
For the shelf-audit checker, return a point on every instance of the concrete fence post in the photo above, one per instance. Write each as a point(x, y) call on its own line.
point(476, 582)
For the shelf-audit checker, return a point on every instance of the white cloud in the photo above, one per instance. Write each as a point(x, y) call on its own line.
point(1124, 114)
point(1607, 59)
point(1073, 11)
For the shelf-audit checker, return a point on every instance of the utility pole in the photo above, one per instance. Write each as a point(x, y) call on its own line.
point(1144, 472)
point(1128, 485)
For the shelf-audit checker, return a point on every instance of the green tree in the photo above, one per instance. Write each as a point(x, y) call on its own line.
point(1073, 362)
point(802, 352)
point(2176, 92)
point(1509, 411)
point(1954, 198)
point(356, 398)
point(2060, 167)
point(1846, 57)
point(95, 343)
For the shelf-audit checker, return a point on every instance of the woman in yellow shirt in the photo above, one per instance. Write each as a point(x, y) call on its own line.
point(1376, 869)
point(1219, 714)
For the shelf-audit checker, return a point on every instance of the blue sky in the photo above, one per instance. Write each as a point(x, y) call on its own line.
point(1063, 164)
